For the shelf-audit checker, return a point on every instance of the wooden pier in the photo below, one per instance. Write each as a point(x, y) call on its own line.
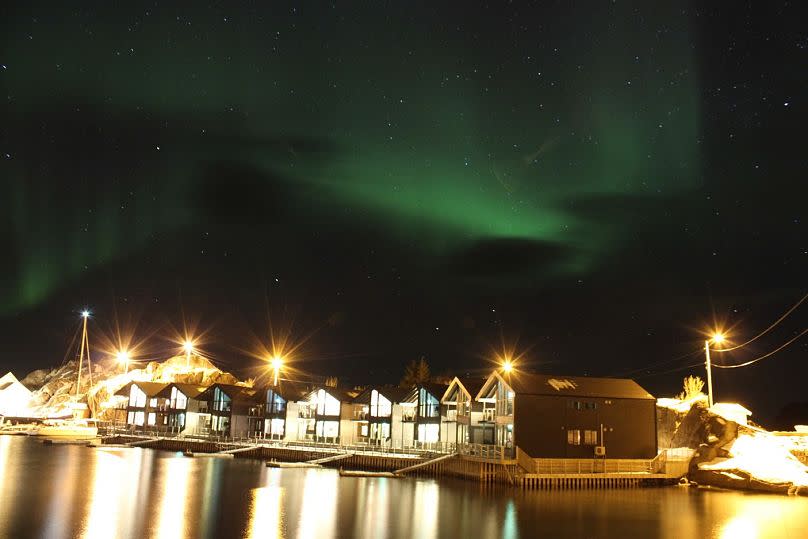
point(488, 469)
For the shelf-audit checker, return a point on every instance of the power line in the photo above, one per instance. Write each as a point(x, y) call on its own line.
point(657, 364)
point(765, 331)
point(744, 364)
point(671, 370)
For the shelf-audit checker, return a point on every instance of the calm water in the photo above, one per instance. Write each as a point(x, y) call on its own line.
point(73, 491)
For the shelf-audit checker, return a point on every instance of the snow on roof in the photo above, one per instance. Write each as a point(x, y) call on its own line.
point(731, 411)
point(681, 405)
point(763, 457)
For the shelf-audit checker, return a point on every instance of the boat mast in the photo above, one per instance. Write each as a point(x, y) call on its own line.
point(84, 343)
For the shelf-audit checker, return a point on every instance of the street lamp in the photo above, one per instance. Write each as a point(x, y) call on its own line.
point(717, 338)
point(276, 363)
point(507, 366)
point(188, 346)
point(123, 357)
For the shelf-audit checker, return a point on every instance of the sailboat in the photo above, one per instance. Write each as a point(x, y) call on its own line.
point(77, 427)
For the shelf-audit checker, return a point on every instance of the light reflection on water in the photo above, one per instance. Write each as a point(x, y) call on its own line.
point(73, 491)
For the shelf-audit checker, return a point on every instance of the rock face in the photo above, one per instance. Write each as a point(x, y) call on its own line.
point(729, 454)
point(53, 390)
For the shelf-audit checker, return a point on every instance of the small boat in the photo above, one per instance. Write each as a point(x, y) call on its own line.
point(75, 429)
point(19, 429)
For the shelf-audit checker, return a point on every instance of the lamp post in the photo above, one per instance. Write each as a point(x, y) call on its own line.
point(188, 346)
point(123, 357)
point(717, 338)
point(507, 366)
point(276, 362)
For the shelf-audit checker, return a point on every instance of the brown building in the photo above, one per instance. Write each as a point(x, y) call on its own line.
point(551, 416)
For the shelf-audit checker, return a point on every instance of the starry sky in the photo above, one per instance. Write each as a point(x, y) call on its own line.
point(587, 185)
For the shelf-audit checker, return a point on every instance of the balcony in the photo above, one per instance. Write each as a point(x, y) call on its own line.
point(360, 415)
point(408, 415)
point(489, 415)
point(306, 413)
point(451, 415)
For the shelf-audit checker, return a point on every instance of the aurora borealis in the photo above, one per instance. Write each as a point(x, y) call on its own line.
point(414, 179)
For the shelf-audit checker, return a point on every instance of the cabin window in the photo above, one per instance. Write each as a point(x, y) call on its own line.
point(428, 432)
point(326, 404)
point(380, 431)
point(363, 430)
point(379, 405)
point(137, 398)
point(276, 427)
point(574, 437)
point(178, 399)
point(275, 403)
point(428, 405)
point(590, 437)
point(152, 418)
point(327, 429)
point(221, 401)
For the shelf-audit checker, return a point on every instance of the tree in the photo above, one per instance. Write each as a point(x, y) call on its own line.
point(691, 387)
point(416, 372)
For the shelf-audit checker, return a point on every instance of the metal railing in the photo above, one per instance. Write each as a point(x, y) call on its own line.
point(578, 466)
point(485, 451)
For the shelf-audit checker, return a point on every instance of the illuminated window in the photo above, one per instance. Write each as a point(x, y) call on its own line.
point(574, 437)
point(326, 404)
point(137, 398)
point(429, 432)
point(152, 418)
point(379, 405)
point(428, 406)
point(327, 429)
point(590, 437)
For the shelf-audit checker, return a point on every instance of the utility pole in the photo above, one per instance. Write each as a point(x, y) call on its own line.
point(709, 373)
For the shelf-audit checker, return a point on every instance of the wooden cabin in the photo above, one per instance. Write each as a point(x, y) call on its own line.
point(462, 419)
point(377, 416)
point(225, 409)
point(424, 412)
point(143, 403)
point(276, 410)
point(552, 416)
point(178, 407)
point(320, 415)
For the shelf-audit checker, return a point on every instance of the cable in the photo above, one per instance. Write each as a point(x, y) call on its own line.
point(765, 331)
point(744, 364)
point(672, 370)
point(658, 363)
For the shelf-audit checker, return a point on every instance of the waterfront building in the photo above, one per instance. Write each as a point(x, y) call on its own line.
point(550, 416)
point(225, 411)
point(142, 404)
point(276, 410)
point(424, 412)
point(14, 397)
point(462, 418)
point(378, 416)
point(320, 415)
point(178, 407)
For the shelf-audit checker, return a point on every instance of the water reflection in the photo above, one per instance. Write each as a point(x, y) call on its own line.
point(172, 518)
point(318, 510)
point(59, 491)
point(266, 513)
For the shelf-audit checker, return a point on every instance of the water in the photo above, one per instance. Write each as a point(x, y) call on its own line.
point(74, 491)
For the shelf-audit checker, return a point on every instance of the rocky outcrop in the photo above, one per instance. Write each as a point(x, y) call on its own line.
point(53, 390)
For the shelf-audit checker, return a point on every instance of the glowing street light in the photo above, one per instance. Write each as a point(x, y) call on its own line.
point(507, 366)
point(276, 363)
point(188, 346)
point(123, 357)
point(717, 338)
point(85, 314)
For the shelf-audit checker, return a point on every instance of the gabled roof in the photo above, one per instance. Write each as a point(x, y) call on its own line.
point(191, 391)
point(573, 386)
point(339, 393)
point(436, 390)
point(394, 394)
point(290, 391)
point(151, 389)
point(469, 386)
point(236, 393)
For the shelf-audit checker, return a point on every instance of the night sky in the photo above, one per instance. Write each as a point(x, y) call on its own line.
point(589, 184)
